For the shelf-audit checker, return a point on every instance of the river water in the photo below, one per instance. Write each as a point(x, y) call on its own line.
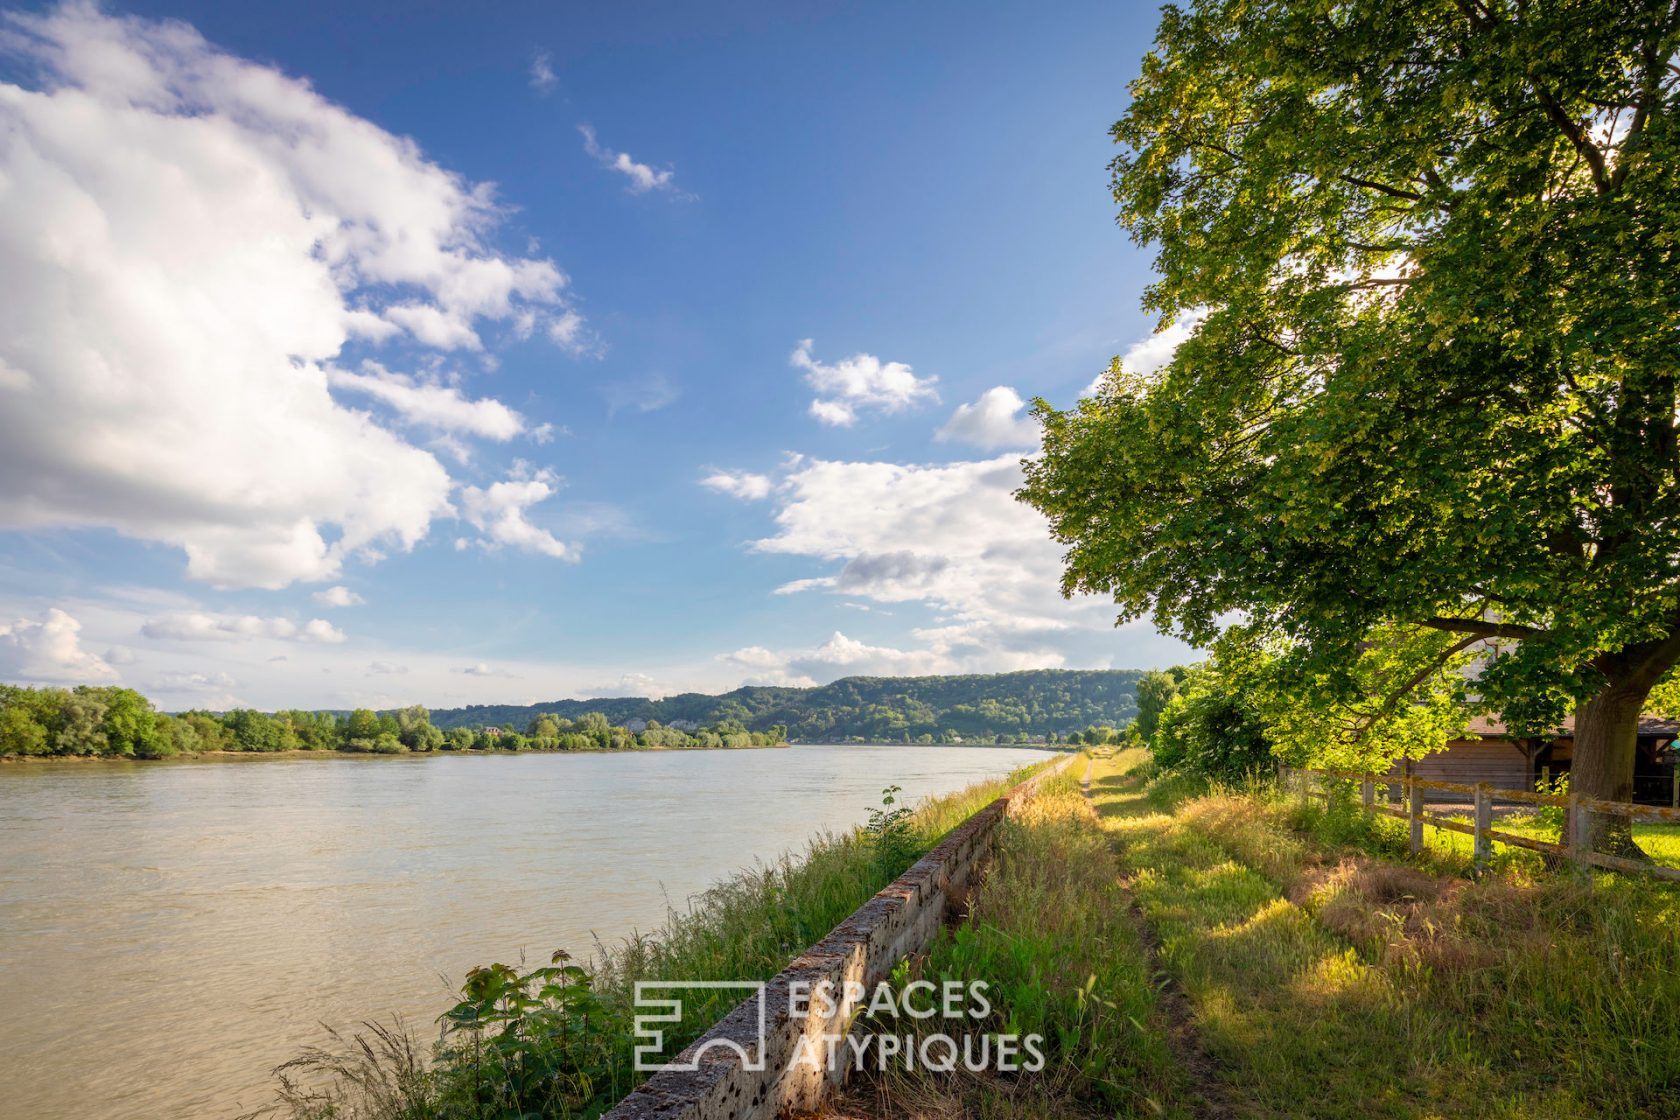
point(170, 932)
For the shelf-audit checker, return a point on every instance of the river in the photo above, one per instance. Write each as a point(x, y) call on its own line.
point(169, 932)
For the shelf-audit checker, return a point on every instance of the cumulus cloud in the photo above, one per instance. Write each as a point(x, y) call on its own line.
point(201, 626)
point(498, 511)
point(1153, 353)
point(744, 485)
point(188, 242)
point(860, 383)
point(992, 422)
point(49, 650)
point(839, 656)
point(642, 177)
point(951, 538)
point(340, 596)
point(430, 404)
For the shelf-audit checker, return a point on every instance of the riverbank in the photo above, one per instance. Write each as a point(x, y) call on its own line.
point(228, 756)
point(559, 1040)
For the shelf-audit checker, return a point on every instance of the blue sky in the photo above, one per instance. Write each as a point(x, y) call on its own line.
point(388, 353)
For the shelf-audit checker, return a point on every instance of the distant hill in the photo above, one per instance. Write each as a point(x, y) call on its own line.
point(1033, 703)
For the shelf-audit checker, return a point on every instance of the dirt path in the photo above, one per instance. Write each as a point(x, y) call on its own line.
point(1210, 1100)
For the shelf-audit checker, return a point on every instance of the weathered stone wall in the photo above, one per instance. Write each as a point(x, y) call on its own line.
point(900, 920)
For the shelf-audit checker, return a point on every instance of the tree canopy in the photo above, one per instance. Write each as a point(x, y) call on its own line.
point(1429, 252)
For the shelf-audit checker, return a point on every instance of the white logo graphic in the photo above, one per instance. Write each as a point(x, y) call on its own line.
point(651, 1048)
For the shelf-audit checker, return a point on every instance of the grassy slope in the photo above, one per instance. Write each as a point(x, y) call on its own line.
point(1310, 976)
point(1327, 982)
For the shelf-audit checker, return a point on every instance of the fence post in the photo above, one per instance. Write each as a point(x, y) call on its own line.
point(1577, 834)
point(1674, 800)
point(1415, 812)
point(1484, 825)
point(1368, 792)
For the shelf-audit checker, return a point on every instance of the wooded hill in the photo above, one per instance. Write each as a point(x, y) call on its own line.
point(1032, 704)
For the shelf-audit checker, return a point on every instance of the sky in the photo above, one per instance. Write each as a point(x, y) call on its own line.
point(373, 354)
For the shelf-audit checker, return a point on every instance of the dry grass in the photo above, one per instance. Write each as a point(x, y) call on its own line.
point(1331, 982)
point(1051, 934)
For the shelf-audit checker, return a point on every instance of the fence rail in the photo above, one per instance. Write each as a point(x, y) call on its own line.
point(1411, 806)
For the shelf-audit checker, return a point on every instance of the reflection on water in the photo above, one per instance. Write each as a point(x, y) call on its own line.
point(169, 932)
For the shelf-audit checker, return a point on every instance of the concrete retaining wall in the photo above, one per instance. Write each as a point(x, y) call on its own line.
point(733, 1078)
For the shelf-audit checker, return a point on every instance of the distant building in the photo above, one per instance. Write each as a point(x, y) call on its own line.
point(1492, 753)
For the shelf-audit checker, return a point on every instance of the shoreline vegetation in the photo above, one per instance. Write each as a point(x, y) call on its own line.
point(1044, 708)
point(558, 1040)
point(120, 723)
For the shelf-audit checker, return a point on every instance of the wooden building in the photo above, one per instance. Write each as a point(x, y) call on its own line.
point(1492, 753)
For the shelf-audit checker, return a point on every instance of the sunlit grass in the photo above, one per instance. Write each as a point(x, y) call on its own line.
point(1051, 934)
point(1331, 982)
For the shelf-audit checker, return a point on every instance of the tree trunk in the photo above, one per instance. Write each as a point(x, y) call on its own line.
point(1606, 745)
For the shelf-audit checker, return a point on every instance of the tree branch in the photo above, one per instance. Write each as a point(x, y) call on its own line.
point(1381, 188)
point(1482, 628)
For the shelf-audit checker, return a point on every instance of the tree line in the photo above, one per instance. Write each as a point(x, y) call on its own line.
point(111, 722)
point(1044, 705)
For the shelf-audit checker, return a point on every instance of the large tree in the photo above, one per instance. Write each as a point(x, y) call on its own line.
point(1431, 252)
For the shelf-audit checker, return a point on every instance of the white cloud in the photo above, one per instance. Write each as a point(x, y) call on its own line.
point(481, 669)
point(428, 403)
point(543, 79)
point(498, 511)
point(744, 485)
point(49, 650)
point(992, 422)
point(839, 656)
point(386, 669)
point(339, 596)
point(201, 626)
point(569, 332)
point(187, 242)
point(642, 177)
point(951, 538)
point(178, 680)
point(1153, 353)
point(630, 684)
point(860, 383)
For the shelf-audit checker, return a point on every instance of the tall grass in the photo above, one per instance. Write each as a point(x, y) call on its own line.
point(1051, 936)
point(556, 1041)
point(1334, 977)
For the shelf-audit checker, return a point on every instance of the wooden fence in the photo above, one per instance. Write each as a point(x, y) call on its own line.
point(1414, 793)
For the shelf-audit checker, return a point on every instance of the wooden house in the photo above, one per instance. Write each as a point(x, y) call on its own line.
point(1491, 753)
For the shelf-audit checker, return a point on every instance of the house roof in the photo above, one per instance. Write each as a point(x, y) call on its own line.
point(1650, 727)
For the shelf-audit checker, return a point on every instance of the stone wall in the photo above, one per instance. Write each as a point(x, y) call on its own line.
point(733, 1079)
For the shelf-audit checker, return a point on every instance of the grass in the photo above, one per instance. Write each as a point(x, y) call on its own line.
point(1452, 852)
point(1050, 933)
point(1327, 981)
point(557, 1041)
